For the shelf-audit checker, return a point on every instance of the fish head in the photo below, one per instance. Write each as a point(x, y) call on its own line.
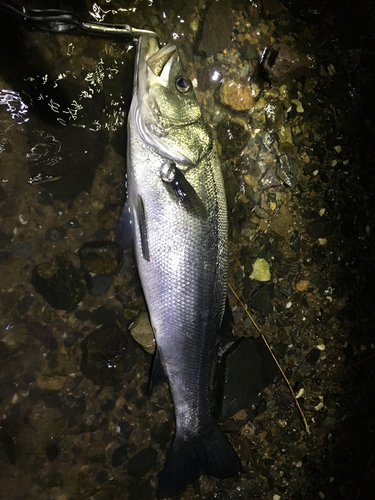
point(165, 110)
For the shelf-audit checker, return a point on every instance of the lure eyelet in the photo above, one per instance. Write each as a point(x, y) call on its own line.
point(183, 84)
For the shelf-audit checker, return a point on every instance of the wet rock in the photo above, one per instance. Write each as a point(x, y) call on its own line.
point(282, 63)
point(282, 222)
point(248, 51)
point(313, 356)
point(59, 283)
point(142, 332)
point(55, 233)
point(233, 136)
point(45, 198)
point(322, 227)
point(287, 170)
point(50, 381)
point(238, 95)
point(4, 239)
point(261, 270)
point(119, 456)
point(104, 355)
point(231, 190)
point(302, 285)
point(101, 257)
point(52, 452)
point(216, 29)
point(142, 462)
point(286, 144)
point(261, 212)
point(209, 77)
point(270, 179)
point(260, 300)
point(274, 113)
point(99, 284)
point(248, 369)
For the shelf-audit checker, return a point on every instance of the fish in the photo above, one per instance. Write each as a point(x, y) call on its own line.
point(176, 213)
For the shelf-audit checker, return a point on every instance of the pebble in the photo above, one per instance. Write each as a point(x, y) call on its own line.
point(302, 285)
point(261, 270)
point(50, 382)
point(59, 283)
point(142, 332)
point(101, 257)
point(261, 212)
point(99, 284)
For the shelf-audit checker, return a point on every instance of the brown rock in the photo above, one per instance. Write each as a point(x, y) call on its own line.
point(237, 95)
point(302, 285)
point(282, 222)
point(282, 63)
point(216, 29)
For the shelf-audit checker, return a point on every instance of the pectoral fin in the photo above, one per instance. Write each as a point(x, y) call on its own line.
point(142, 225)
point(158, 375)
point(182, 191)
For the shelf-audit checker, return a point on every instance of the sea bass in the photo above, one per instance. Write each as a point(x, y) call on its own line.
point(177, 208)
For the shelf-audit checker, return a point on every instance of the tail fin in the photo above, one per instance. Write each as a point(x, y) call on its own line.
point(210, 454)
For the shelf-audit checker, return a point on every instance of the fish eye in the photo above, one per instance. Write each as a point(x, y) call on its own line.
point(183, 84)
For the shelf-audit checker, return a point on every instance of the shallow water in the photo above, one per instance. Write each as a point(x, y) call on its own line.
point(78, 425)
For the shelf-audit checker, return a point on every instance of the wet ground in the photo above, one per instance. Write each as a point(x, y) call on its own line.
point(296, 141)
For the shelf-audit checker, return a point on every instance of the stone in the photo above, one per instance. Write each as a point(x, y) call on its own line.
point(238, 95)
point(302, 285)
point(101, 257)
point(232, 135)
point(216, 29)
point(261, 301)
point(104, 355)
point(282, 222)
point(142, 332)
point(287, 169)
point(261, 270)
point(281, 63)
point(59, 283)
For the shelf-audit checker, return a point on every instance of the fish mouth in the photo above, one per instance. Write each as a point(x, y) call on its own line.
point(153, 64)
